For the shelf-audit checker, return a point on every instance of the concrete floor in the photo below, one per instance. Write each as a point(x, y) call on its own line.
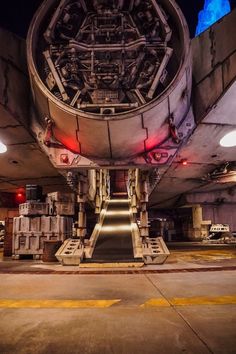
point(71, 312)
point(183, 257)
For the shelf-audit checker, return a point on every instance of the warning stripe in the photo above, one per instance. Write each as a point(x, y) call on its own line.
point(190, 301)
point(57, 303)
point(151, 303)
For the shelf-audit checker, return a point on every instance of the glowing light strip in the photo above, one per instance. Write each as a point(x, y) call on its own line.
point(117, 213)
point(116, 228)
point(119, 201)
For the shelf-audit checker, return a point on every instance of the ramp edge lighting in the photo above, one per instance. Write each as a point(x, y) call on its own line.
point(3, 148)
point(229, 140)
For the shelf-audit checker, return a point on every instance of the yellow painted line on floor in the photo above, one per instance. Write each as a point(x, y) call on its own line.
point(57, 303)
point(207, 255)
point(156, 303)
point(151, 303)
point(204, 300)
point(191, 301)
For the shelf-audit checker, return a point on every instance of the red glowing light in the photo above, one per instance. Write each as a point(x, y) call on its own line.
point(20, 197)
point(184, 162)
point(64, 158)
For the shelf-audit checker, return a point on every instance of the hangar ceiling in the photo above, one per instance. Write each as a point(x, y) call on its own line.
point(214, 105)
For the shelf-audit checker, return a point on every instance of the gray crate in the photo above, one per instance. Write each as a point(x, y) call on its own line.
point(57, 224)
point(33, 243)
point(29, 233)
point(61, 208)
point(47, 224)
point(26, 224)
point(61, 197)
point(33, 208)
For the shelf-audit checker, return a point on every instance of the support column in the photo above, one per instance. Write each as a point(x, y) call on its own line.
point(200, 227)
point(144, 229)
point(98, 199)
point(105, 186)
point(81, 199)
point(132, 191)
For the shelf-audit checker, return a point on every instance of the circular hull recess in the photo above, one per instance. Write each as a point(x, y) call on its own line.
point(110, 75)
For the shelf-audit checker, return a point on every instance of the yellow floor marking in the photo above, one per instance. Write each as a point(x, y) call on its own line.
point(204, 300)
point(112, 265)
point(57, 303)
point(155, 303)
point(205, 255)
point(191, 301)
point(151, 303)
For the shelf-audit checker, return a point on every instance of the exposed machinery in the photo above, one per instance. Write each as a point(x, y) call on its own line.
point(111, 83)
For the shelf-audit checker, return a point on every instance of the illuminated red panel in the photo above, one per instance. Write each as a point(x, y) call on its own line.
point(20, 196)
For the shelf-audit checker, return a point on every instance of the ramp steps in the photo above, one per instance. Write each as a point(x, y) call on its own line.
point(114, 243)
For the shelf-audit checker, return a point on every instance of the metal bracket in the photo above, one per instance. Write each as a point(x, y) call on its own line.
point(48, 137)
point(173, 131)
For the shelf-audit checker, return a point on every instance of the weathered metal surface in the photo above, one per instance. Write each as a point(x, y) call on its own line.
point(30, 233)
point(44, 224)
point(155, 251)
point(34, 208)
point(214, 64)
point(71, 252)
point(49, 250)
point(61, 197)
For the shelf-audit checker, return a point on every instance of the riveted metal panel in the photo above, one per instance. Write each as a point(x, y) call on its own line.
point(94, 138)
point(65, 129)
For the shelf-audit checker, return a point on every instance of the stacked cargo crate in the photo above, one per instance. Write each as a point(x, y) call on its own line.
point(42, 221)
